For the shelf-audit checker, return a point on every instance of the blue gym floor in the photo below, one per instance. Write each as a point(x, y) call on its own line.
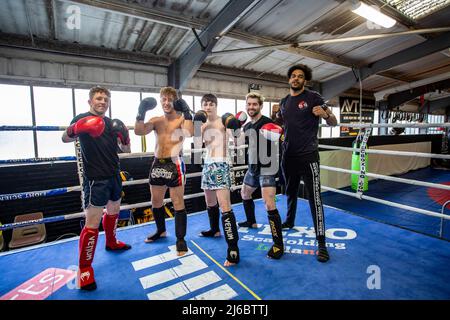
point(369, 260)
point(415, 196)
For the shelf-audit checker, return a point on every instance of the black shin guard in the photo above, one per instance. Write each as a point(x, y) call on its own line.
point(180, 229)
point(322, 252)
point(249, 208)
point(214, 217)
point(159, 216)
point(277, 249)
point(231, 236)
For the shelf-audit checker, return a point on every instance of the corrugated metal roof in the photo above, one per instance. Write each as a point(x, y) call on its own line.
point(269, 21)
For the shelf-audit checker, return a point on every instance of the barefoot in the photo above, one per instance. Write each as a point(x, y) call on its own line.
point(228, 263)
point(182, 248)
point(155, 236)
point(181, 253)
point(210, 234)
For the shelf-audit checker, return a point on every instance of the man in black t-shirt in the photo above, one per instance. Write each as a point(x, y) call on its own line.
point(300, 113)
point(100, 137)
point(262, 136)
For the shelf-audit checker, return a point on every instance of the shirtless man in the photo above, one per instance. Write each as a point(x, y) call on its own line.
point(216, 181)
point(168, 169)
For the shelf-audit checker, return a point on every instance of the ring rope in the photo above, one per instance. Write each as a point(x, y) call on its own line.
point(353, 125)
point(58, 191)
point(82, 214)
point(358, 195)
point(441, 228)
point(389, 178)
point(389, 152)
point(390, 203)
point(388, 125)
point(186, 152)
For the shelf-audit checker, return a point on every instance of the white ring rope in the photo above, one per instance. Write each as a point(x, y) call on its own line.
point(199, 174)
point(389, 152)
point(389, 203)
point(388, 125)
point(389, 178)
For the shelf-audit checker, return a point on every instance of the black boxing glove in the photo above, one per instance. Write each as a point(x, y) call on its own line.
point(119, 128)
point(201, 115)
point(181, 106)
point(145, 105)
point(230, 121)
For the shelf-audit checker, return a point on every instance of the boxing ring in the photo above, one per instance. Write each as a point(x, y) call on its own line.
point(368, 259)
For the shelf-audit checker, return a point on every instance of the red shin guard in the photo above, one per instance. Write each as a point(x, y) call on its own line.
point(110, 225)
point(87, 244)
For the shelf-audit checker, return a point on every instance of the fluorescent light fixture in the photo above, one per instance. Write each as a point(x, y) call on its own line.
point(371, 14)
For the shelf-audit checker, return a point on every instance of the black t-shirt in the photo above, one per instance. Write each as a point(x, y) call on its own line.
point(255, 140)
point(100, 158)
point(301, 126)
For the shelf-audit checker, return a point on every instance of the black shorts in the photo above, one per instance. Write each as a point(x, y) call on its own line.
point(255, 179)
point(165, 172)
point(97, 193)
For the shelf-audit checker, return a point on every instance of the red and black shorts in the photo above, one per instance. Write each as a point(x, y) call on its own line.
point(167, 172)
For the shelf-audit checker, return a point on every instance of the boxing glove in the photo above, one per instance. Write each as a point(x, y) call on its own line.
point(145, 105)
point(200, 116)
point(271, 131)
point(230, 121)
point(92, 125)
point(242, 117)
point(181, 106)
point(119, 128)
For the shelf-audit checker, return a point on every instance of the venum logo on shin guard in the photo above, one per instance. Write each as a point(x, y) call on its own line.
point(273, 229)
point(85, 276)
point(228, 229)
point(90, 248)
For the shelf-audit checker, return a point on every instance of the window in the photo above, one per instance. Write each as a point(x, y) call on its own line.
point(376, 118)
point(150, 139)
point(189, 100)
point(53, 107)
point(266, 109)
point(434, 119)
point(124, 106)
point(241, 105)
point(16, 145)
point(15, 105)
point(226, 105)
point(336, 131)
point(325, 132)
point(416, 10)
point(81, 101)
point(197, 103)
point(15, 110)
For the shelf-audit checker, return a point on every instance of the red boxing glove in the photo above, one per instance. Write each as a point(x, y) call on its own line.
point(92, 125)
point(271, 131)
point(119, 128)
point(242, 117)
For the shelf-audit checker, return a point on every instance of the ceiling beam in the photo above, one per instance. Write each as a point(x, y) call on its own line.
point(50, 8)
point(398, 98)
point(114, 55)
point(431, 106)
point(81, 50)
point(341, 83)
point(158, 16)
point(183, 68)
